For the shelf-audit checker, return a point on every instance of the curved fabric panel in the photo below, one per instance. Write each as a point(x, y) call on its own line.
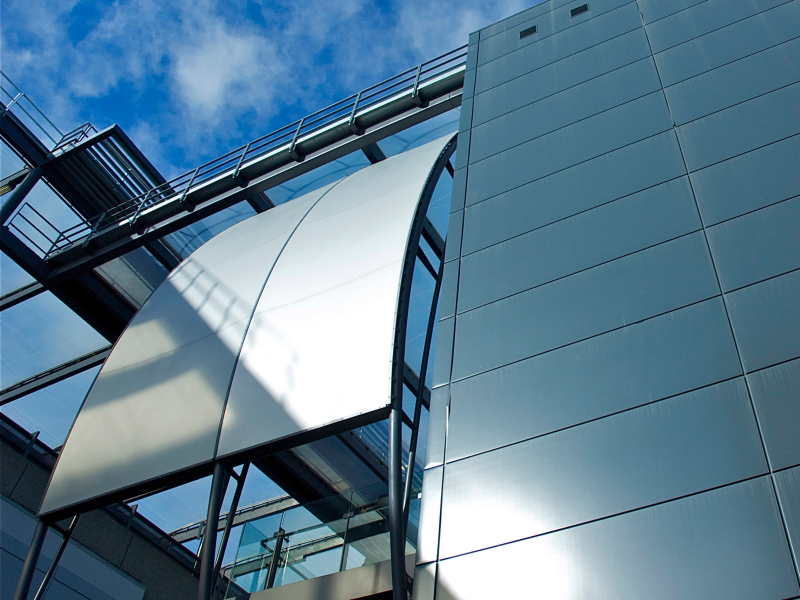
point(156, 405)
point(319, 348)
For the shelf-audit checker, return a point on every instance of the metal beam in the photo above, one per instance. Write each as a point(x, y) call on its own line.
point(20, 295)
point(54, 375)
point(373, 153)
point(431, 235)
point(260, 203)
point(172, 216)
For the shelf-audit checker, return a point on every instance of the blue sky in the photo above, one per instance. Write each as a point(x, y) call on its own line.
point(190, 79)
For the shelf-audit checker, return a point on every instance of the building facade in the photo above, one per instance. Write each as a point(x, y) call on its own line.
point(611, 408)
point(616, 400)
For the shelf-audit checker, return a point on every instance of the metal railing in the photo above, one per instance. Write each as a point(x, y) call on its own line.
point(17, 102)
point(344, 112)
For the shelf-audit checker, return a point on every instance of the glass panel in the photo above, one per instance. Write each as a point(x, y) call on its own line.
point(51, 410)
point(308, 182)
point(422, 287)
point(10, 161)
point(190, 238)
point(12, 276)
point(425, 132)
point(42, 217)
point(40, 334)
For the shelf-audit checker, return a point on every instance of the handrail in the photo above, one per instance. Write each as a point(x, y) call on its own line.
point(289, 137)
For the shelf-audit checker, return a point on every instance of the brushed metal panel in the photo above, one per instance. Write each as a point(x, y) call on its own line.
point(735, 82)
point(788, 484)
point(569, 146)
point(443, 356)
point(564, 108)
point(776, 395)
point(653, 10)
point(741, 128)
point(701, 19)
point(585, 240)
point(145, 420)
point(748, 182)
point(671, 354)
point(626, 290)
point(459, 192)
point(157, 402)
point(730, 43)
point(437, 427)
point(556, 77)
point(447, 295)
point(725, 544)
point(424, 581)
point(430, 508)
point(766, 321)
point(757, 245)
point(452, 249)
point(549, 23)
point(608, 177)
point(549, 50)
point(675, 447)
point(329, 307)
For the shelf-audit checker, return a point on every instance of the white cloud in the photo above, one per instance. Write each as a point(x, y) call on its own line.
point(223, 73)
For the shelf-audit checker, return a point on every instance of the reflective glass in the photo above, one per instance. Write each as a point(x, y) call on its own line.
point(190, 238)
point(308, 182)
point(39, 334)
point(12, 276)
point(51, 410)
point(10, 161)
point(425, 132)
point(41, 218)
point(422, 287)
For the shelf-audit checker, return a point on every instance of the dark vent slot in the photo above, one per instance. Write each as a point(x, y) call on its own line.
point(527, 32)
point(579, 10)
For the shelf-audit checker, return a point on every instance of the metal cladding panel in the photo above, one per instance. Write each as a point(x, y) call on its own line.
point(547, 24)
point(730, 43)
point(564, 108)
point(644, 219)
point(701, 19)
point(788, 484)
point(447, 295)
point(766, 321)
point(653, 10)
point(736, 82)
point(556, 77)
point(437, 427)
point(776, 396)
point(741, 128)
point(748, 182)
point(661, 357)
point(629, 289)
point(675, 447)
point(319, 347)
point(430, 509)
point(157, 405)
point(725, 544)
point(566, 43)
point(568, 146)
point(573, 190)
point(443, 357)
point(452, 249)
point(757, 245)
point(157, 402)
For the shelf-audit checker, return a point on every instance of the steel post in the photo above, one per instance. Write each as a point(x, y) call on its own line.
point(209, 543)
point(29, 567)
point(48, 577)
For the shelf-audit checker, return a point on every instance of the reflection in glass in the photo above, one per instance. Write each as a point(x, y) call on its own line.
point(39, 334)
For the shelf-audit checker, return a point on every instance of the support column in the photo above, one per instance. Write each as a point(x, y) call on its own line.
point(29, 567)
point(397, 538)
point(48, 577)
point(209, 543)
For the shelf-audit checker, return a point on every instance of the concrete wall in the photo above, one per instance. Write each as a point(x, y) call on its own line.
point(618, 357)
